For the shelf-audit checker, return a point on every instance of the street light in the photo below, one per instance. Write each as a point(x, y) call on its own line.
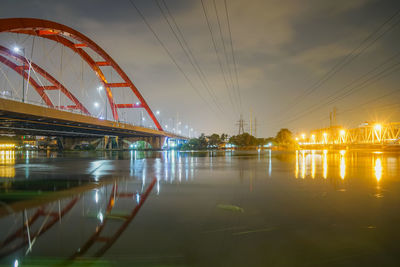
point(17, 50)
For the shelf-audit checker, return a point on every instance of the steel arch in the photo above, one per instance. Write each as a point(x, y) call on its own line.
point(55, 85)
point(76, 41)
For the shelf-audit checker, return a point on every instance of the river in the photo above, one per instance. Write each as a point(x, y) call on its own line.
point(213, 208)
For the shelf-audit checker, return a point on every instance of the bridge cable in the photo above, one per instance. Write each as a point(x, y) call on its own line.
point(9, 82)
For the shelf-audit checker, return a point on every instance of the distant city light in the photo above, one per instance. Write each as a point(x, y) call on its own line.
point(96, 104)
point(143, 119)
point(137, 103)
point(342, 132)
point(100, 88)
point(16, 49)
point(158, 112)
point(303, 136)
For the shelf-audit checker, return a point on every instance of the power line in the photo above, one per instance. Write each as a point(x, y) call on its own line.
point(168, 52)
point(347, 60)
point(233, 55)
point(382, 74)
point(216, 52)
point(188, 52)
point(224, 49)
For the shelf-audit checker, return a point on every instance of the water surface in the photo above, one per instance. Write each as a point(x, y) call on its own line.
point(266, 208)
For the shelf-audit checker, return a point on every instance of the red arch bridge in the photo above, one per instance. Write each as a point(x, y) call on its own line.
point(46, 105)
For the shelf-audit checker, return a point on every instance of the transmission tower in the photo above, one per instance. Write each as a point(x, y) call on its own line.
point(241, 125)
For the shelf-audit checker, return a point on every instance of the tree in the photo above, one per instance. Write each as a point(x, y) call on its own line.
point(214, 140)
point(203, 143)
point(244, 139)
point(224, 137)
point(284, 137)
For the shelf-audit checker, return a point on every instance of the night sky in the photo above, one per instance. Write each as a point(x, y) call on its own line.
point(295, 60)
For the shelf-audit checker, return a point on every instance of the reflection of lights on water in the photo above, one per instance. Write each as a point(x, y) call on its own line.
point(296, 172)
point(270, 164)
point(100, 217)
point(313, 164)
point(342, 164)
point(303, 164)
point(7, 161)
point(378, 169)
point(325, 164)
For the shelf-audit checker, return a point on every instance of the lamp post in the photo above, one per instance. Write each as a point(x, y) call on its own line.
point(17, 50)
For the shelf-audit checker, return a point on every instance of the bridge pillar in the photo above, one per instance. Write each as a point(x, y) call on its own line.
point(157, 142)
point(77, 142)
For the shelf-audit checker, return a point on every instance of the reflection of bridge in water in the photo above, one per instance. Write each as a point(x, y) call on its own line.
point(108, 227)
point(367, 134)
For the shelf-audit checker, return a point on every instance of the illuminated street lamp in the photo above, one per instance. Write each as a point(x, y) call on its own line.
point(325, 138)
point(378, 131)
point(16, 49)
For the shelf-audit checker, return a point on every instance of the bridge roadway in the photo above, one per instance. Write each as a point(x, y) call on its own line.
point(28, 119)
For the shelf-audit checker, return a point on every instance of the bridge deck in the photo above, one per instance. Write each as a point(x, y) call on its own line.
point(27, 119)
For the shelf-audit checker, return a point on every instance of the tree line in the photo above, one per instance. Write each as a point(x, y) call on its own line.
point(283, 138)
